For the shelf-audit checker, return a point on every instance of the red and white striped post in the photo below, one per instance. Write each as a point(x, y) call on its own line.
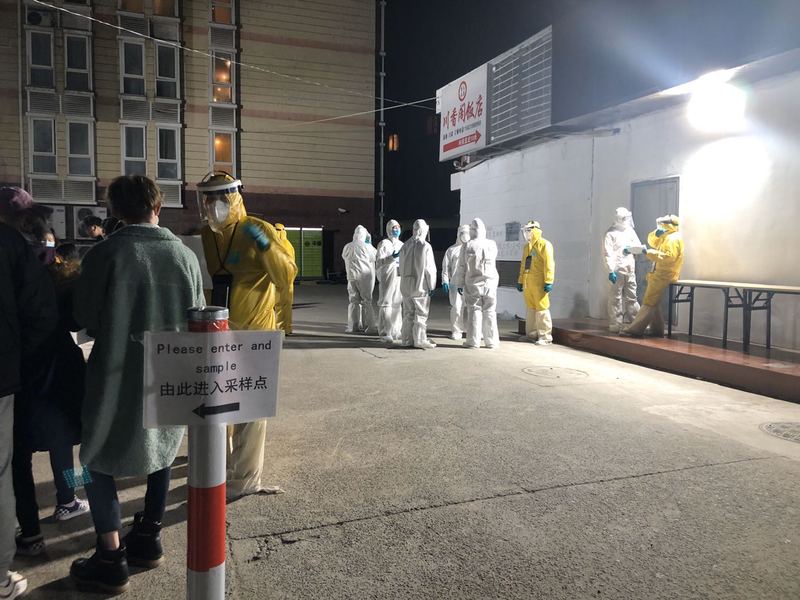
point(206, 549)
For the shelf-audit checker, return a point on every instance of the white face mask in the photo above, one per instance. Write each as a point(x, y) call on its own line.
point(219, 211)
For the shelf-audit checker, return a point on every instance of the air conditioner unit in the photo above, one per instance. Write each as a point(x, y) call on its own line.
point(41, 18)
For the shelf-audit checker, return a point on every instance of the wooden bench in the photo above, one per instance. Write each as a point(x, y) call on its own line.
point(747, 296)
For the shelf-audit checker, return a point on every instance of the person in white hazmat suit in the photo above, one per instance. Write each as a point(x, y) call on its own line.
point(390, 302)
point(449, 265)
point(359, 262)
point(417, 284)
point(621, 268)
point(477, 279)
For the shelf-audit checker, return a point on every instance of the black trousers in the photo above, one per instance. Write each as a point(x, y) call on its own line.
point(103, 500)
point(25, 487)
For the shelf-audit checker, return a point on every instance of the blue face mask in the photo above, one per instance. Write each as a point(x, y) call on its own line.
point(660, 232)
point(395, 232)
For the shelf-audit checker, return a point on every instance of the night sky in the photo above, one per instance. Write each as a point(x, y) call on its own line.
point(605, 52)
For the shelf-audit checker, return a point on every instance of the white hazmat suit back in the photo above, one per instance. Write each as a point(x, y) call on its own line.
point(390, 302)
point(359, 261)
point(417, 282)
point(478, 277)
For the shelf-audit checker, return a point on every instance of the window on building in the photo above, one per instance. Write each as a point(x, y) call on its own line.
point(222, 12)
point(77, 63)
point(133, 68)
point(134, 6)
point(40, 58)
point(168, 162)
point(222, 77)
point(133, 147)
point(166, 71)
point(43, 146)
point(223, 152)
point(164, 8)
point(79, 148)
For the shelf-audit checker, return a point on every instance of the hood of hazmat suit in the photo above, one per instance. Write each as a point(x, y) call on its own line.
point(252, 275)
point(359, 256)
point(284, 239)
point(532, 231)
point(619, 236)
point(417, 266)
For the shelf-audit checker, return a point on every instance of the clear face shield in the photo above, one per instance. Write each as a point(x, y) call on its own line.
point(213, 201)
point(463, 235)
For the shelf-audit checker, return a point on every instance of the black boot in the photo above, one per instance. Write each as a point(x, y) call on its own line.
point(105, 571)
point(144, 543)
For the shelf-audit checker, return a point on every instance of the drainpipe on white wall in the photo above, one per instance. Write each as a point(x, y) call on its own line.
point(19, 95)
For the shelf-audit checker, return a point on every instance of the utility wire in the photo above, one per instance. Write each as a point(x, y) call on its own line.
point(179, 46)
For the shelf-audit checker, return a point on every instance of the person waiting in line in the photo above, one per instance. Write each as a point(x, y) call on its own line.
point(47, 410)
point(141, 279)
point(249, 268)
point(621, 268)
point(666, 254)
point(110, 225)
point(28, 305)
point(449, 265)
point(359, 261)
point(390, 302)
point(417, 284)
point(537, 271)
point(92, 226)
point(477, 279)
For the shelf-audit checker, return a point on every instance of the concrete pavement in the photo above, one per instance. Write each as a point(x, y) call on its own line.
point(523, 472)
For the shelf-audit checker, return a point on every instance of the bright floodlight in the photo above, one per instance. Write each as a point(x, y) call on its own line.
point(716, 106)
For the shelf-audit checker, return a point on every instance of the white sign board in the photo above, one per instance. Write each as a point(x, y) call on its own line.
point(463, 115)
point(208, 378)
point(505, 250)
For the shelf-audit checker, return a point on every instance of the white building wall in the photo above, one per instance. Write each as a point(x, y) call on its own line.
point(739, 204)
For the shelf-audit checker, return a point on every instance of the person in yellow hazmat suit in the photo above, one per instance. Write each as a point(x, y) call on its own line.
point(666, 254)
point(537, 272)
point(249, 269)
point(283, 309)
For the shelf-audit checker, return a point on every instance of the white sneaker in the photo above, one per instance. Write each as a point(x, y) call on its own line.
point(14, 587)
point(387, 339)
point(348, 330)
point(455, 336)
point(470, 346)
point(543, 342)
point(65, 512)
point(426, 345)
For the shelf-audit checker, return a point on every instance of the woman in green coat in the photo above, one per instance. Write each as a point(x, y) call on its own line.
point(140, 279)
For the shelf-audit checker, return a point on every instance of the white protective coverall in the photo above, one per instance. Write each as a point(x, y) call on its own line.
point(359, 261)
point(622, 303)
point(390, 302)
point(417, 283)
point(477, 276)
point(449, 265)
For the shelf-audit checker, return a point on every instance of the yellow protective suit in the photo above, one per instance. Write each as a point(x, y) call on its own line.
point(533, 275)
point(666, 251)
point(667, 254)
point(259, 276)
point(283, 309)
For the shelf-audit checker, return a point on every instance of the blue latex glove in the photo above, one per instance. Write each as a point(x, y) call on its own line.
point(626, 250)
point(548, 287)
point(461, 291)
point(612, 277)
point(431, 292)
point(395, 254)
point(258, 235)
point(519, 287)
point(660, 232)
point(446, 288)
